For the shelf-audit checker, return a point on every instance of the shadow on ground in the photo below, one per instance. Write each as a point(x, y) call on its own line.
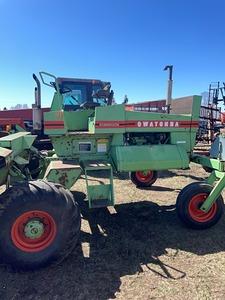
point(166, 174)
point(119, 244)
point(157, 188)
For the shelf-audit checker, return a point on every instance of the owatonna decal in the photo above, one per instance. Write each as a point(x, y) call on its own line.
point(157, 124)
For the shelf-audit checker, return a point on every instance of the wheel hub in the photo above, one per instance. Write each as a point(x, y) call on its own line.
point(34, 229)
point(144, 176)
point(195, 211)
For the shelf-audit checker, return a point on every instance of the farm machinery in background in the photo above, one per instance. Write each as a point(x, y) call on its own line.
point(211, 118)
point(17, 120)
point(39, 217)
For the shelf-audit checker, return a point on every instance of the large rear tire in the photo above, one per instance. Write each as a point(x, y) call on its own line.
point(144, 178)
point(39, 224)
point(189, 202)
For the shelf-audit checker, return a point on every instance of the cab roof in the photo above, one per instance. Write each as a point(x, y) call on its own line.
point(60, 80)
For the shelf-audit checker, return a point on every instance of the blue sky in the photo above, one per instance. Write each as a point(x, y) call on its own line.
point(127, 42)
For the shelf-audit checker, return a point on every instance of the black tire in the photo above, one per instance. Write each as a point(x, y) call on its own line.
point(179, 197)
point(150, 180)
point(188, 202)
point(50, 206)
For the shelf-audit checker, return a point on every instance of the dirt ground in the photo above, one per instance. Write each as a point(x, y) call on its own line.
point(139, 250)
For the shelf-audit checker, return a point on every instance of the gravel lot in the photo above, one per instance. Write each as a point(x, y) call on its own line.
point(138, 250)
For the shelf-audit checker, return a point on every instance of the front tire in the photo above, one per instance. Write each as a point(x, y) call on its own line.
point(144, 178)
point(189, 202)
point(39, 224)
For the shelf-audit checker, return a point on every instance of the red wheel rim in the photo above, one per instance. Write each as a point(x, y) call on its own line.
point(35, 244)
point(197, 214)
point(144, 176)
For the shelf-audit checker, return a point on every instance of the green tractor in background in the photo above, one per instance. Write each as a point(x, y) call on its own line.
point(39, 217)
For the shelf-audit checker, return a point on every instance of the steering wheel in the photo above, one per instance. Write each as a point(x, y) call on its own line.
point(65, 90)
point(90, 105)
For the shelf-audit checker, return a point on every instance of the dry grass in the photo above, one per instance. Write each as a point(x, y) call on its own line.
point(137, 251)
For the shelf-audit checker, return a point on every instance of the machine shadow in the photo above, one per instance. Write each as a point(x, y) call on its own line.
point(161, 174)
point(157, 188)
point(172, 173)
point(113, 244)
point(135, 236)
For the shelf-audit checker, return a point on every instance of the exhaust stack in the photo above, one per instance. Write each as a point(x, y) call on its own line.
point(170, 87)
point(36, 107)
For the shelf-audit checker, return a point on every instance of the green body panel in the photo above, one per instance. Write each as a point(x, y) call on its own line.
point(19, 128)
point(70, 146)
point(209, 162)
point(57, 102)
point(183, 140)
point(55, 117)
point(64, 173)
point(70, 121)
point(17, 142)
point(14, 155)
point(6, 153)
point(77, 120)
point(6, 158)
point(154, 157)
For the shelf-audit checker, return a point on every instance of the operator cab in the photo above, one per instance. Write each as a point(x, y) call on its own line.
point(81, 94)
point(75, 94)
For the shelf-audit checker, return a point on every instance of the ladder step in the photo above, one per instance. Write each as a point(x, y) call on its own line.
point(95, 203)
point(96, 165)
point(100, 195)
point(99, 187)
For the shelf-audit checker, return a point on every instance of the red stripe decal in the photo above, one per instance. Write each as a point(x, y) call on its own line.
point(146, 124)
point(54, 127)
point(54, 124)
